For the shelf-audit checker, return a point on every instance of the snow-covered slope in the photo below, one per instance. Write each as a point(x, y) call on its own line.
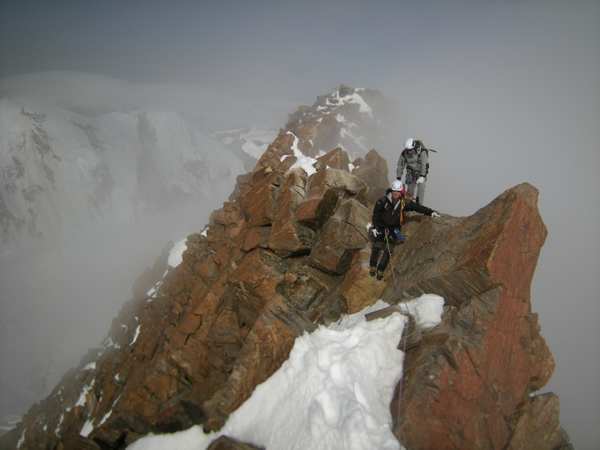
point(60, 170)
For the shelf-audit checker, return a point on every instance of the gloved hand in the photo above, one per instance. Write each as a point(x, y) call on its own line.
point(398, 236)
point(435, 214)
point(374, 232)
point(420, 180)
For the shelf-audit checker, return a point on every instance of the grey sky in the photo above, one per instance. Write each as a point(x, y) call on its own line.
point(508, 91)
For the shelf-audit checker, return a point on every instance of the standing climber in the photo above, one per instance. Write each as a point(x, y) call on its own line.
point(387, 220)
point(415, 159)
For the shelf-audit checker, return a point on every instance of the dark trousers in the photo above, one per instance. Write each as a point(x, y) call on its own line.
point(380, 253)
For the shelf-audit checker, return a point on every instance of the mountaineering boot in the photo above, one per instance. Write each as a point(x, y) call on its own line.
point(372, 271)
point(380, 275)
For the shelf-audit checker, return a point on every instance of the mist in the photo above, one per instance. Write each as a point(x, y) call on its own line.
point(506, 92)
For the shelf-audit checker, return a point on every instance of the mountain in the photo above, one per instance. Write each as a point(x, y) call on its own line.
point(61, 170)
point(348, 118)
point(220, 312)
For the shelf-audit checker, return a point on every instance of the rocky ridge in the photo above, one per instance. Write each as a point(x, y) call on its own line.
point(289, 251)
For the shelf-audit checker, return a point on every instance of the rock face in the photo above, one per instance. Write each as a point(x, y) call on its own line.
point(289, 251)
point(472, 378)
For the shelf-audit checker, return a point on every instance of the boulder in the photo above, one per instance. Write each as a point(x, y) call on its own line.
point(287, 235)
point(271, 159)
point(258, 203)
point(256, 237)
point(359, 289)
point(226, 443)
point(372, 169)
point(317, 209)
point(323, 180)
point(334, 159)
point(324, 190)
point(471, 373)
point(537, 426)
point(343, 234)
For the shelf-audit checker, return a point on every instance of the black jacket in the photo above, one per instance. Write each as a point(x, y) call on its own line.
point(387, 214)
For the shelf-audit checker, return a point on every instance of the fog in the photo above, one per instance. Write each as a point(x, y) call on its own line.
point(506, 91)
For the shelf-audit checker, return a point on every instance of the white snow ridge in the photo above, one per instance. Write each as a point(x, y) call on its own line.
point(333, 392)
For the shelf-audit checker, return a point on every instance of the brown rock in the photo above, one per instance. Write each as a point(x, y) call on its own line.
point(538, 426)
point(373, 170)
point(77, 443)
point(334, 159)
point(323, 180)
point(272, 156)
point(256, 237)
point(315, 210)
point(492, 353)
point(359, 289)
point(226, 443)
point(258, 204)
point(287, 236)
point(343, 234)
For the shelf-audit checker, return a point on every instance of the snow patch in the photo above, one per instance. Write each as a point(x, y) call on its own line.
point(304, 162)
point(21, 439)
point(153, 291)
point(136, 335)
point(105, 417)
point(90, 366)
point(176, 253)
point(87, 428)
point(83, 396)
point(108, 343)
point(427, 310)
point(60, 421)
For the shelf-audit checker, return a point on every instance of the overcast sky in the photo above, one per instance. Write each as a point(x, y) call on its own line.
point(508, 91)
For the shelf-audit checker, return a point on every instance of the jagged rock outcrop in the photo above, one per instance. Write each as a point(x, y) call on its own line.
point(471, 377)
point(289, 251)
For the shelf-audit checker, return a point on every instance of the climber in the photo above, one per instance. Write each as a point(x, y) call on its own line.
point(385, 231)
point(415, 159)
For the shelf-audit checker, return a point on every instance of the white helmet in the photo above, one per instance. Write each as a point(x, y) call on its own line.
point(397, 186)
point(410, 143)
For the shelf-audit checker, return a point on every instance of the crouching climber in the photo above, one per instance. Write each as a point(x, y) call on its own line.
point(385, 232)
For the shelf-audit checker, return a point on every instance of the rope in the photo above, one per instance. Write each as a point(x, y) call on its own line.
point(387, 245)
